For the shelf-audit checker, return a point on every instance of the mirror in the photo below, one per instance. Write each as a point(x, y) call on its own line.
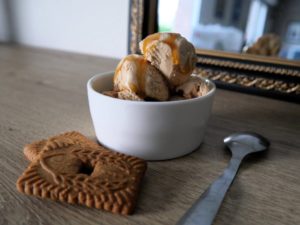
point(250, 46)
point(258, 27)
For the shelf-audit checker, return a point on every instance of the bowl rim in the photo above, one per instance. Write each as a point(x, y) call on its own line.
point(122, 101)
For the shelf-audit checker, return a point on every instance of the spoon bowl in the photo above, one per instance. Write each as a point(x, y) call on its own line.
point(244, 143)
point(250, 139)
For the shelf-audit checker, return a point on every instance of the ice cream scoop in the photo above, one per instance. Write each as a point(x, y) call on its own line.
point(135, 76)
point(170, 53)
point(193, 87)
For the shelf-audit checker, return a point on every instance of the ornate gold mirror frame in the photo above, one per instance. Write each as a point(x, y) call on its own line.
point(268, 76)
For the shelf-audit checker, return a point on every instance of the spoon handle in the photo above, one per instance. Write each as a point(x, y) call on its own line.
point(207, 205)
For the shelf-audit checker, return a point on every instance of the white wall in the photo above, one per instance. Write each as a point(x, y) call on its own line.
point(97, 27)
point(4, 22)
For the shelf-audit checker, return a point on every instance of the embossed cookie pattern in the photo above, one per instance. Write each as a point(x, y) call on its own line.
point(77, 170)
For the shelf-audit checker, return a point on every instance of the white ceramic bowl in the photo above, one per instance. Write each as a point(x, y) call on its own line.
point(149, 130)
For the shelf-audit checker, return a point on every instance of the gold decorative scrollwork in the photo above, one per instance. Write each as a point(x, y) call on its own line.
point(247, 66)
point(250, 81)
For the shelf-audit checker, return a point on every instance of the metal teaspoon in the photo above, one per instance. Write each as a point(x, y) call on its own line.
point(206, 207)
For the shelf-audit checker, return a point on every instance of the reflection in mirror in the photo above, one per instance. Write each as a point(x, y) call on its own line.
point(261, 27)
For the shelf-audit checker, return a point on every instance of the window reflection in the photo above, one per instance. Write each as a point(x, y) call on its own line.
point(236, 25)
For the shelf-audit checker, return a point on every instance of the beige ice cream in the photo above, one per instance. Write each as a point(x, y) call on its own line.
point(129, 95)
point(170, 53)
point(136, 79)
point(126, 95)
point(193, 87)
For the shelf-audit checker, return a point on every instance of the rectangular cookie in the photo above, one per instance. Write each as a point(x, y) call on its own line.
point(71, 168)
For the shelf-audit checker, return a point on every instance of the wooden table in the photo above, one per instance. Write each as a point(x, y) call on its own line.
point(43, 93)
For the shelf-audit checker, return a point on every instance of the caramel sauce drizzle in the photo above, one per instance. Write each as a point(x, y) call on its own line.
point(141, 66)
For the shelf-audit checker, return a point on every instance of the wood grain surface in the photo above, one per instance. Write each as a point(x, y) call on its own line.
point(43, 93)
